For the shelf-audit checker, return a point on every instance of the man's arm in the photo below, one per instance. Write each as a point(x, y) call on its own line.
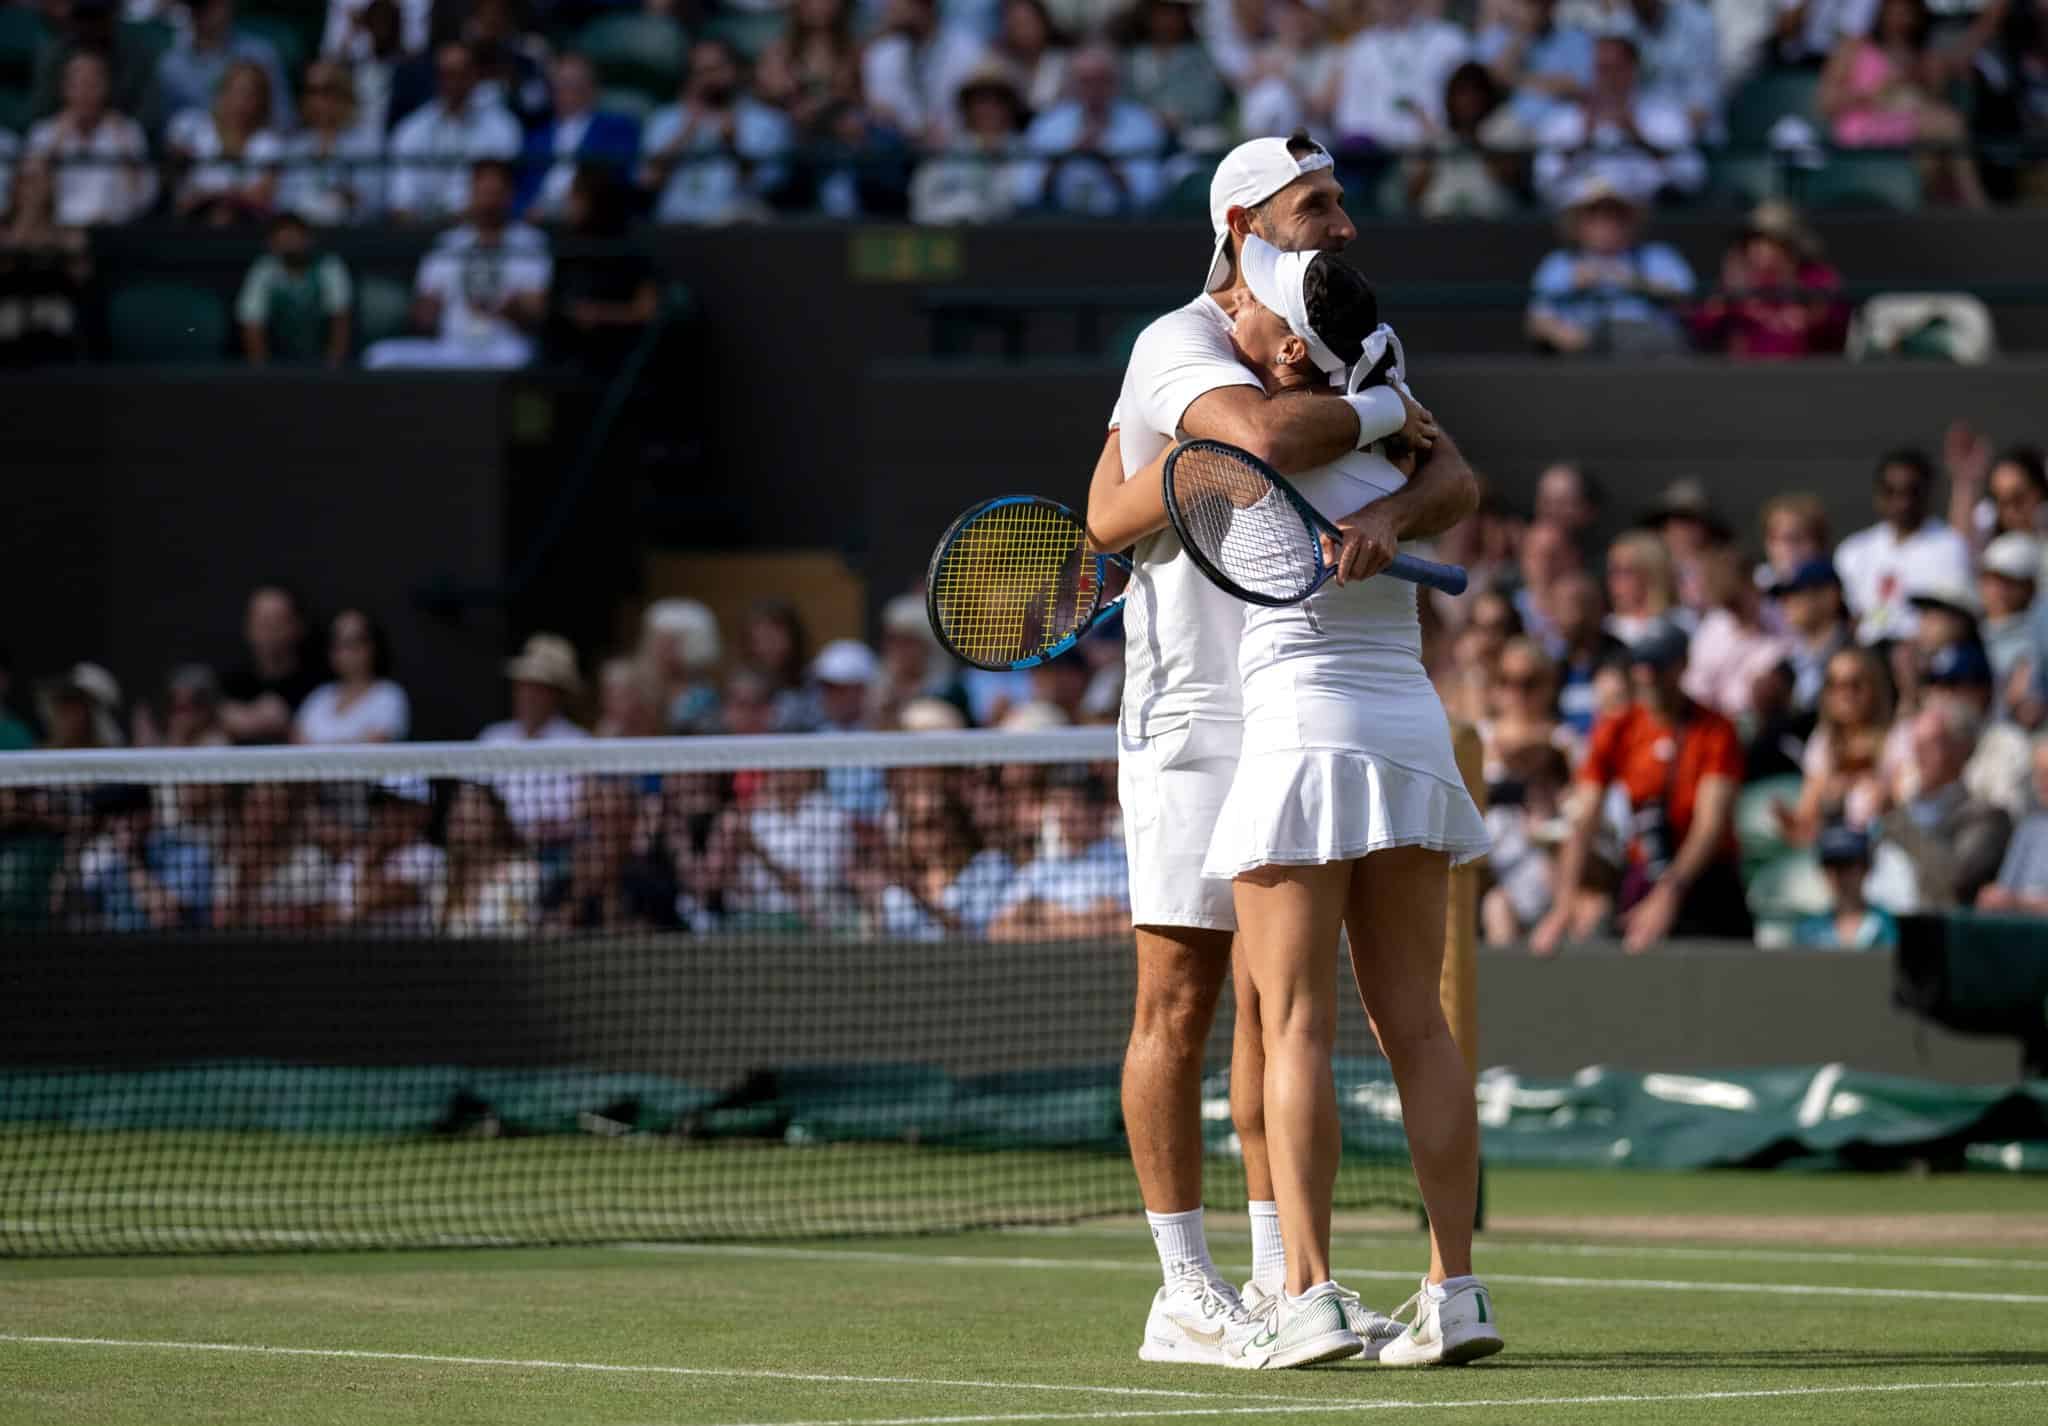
point(1295, 434)
point(1442, 491)
point(1653, 917)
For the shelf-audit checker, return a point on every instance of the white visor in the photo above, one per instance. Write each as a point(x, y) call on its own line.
point(1274, 278)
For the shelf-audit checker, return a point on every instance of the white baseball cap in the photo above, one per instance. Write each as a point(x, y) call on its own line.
point(845, 661)
point(2015, 555)
point(1250, 174)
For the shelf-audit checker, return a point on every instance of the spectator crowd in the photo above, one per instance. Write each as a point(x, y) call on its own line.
point(1691, 729)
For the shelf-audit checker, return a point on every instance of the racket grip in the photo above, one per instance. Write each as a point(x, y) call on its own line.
point(1447, 577)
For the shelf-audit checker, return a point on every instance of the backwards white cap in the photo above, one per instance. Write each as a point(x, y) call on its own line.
point(1250, 174)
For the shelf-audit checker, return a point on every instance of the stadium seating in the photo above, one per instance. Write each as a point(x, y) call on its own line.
point(637, 52)
point(1864, 180)
point(285, 35)
point(166, 322)
point(383, 309)
point(1759, 104)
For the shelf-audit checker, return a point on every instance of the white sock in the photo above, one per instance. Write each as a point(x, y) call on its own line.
point(1318, 1290)
point(1180, 1239)
point(1438, 1291)
point(1269, 1254)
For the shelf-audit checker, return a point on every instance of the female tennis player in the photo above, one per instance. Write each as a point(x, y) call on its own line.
point(1347, 809)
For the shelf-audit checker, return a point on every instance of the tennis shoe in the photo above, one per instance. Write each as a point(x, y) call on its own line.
point(1191, 1317)
point(1375, 1329)
point(1459, 1329)
point(1293, 1332)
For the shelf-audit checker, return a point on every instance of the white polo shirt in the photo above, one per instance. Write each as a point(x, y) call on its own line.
point(1881, 572)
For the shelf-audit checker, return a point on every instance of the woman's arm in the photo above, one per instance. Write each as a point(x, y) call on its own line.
point(1122, 512)
point(1584, 811)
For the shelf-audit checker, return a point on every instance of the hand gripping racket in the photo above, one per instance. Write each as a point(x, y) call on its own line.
point(1013, 583)
point(1254, 535)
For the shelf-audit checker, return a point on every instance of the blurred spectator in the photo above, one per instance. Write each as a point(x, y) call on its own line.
point(1684, 520)
point(1795, 533)
point(628, 700)
point(1101, 150)
point(1289, 80)
point(233, 151)
point(1945, 614)
point(1845, 779)
point(1033, 51)
point(80, 708)
point(621, 874)
point(347, 34)
point(1954, 842)
point(604, 293)
point(1992, 497)
point(1852, 924)
point(508, 60)
point(482, 288)
point(576, 132)
point(680, 648)
point(1996, 773)
point(2022, 885)
point(1169, 72)
point(1546, 66)
point(1033, 716)
point(296, 305)
point(135, 876)
point(775, 645)
point(1680, 765)
point(433, 147)
point(1548, 554)
point(931, 715)
point(1642, 593)
point(1681, 58)
point(912, 69)
point(1777, 299)
point(376, 63)
point(130, 53)
point(843, 674)
point(1467, 686)
point(2011, 573)
point(191, 713)
point(1568, 497)
point(275, 875)
point(45, 274)
point(387, 882)
point(1816, 626)
point(813, 64)
point(933, 880)
point(1777, 729)
point(1522, 712)
point(715, 154)
point(1884, 90)
point(262, 693)
point(857, 167)
point(747, 704)
point(362, 704)
point(1731, 649)
point(789, 849)
point(979, 179)
point(1582, 649)
point(913, 666)
point(1525, 818)
point(330, 165)
point(1907, 549)
point(1393, 74)
point(99, 154)
point(1608, 292)
point(1641, 144)
point(543, 679)
point(1808, 31)
point(1470, 168)
point(203, 54)
point(489, 887)
point(1078, 884)
point(1062, 684)
point(15, 734)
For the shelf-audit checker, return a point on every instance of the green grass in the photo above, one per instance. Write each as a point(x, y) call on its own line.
point(1042, 1326)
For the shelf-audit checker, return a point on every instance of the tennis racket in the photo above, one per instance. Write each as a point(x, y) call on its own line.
point(1013, 583)
point(1254, 535)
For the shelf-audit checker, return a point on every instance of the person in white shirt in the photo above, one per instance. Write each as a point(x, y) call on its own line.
point(1682, 58)
point(389, 883)
point(1078, 885)
point(347, 35)
point(713, 155)
point(1101, 151)
point(482, 288)
point(330, 171)
point(432, 146)
point(111, 182)
point(1390, 81)
point(1640, 144)
point(912, 70)
point(543, 677)
point(1181, 721)
point(361, 704)
point(233, 150)
point(1907, 550)
point(1808, 30)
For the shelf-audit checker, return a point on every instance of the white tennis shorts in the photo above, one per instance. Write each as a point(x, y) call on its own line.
point(1171, 787)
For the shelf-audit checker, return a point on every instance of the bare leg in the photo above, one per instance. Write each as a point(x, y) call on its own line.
point(1287, 923)
point(1180, 974)
point(1248, 1084)
point(1396, 917)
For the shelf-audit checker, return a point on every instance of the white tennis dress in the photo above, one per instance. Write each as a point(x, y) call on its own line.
point(1347, 749)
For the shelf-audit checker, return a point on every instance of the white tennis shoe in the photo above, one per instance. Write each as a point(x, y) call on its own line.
point(1459, 1329)
point(1190, 1318)
point(1375, 1329)
point(1286, 1331)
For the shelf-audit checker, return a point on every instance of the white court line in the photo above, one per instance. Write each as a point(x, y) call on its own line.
point(1340, 1408)
point(353, 1354)
point(1639, 1284)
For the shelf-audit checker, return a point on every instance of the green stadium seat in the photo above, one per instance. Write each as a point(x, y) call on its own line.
point(167, 322)
point(631, 101)
point(16, 109)
point(383, 309)
point(1788, 886)
point(156, 35)
point(21, 34)
point(1769, 97)
point(1756, 826)
point(287, 36)
point(1742, 181)
point(746, 32)
point(1880, 181)
point(645, 52)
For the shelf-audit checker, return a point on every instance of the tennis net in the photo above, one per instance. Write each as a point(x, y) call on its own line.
point(677, 989)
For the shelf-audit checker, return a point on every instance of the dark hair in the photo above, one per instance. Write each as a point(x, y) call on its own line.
point(502, 167)
point(1912, 459)
point(289, 218)
point(1922, 21)
point(380, 642)
point(604, 198)
point(2032, 463)
point(726, 47)
point(1342, 309)
point(1473, 72)
point(781, 611)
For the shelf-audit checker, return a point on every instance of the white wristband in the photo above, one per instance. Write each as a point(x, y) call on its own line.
point(1380, 414)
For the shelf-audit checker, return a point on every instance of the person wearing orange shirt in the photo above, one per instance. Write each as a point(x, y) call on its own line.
point(1680, 765)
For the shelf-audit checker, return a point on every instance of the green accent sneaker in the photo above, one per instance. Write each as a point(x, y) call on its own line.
point(1290, 1332)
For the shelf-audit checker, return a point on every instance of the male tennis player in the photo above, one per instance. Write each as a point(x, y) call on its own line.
point(1181, 721)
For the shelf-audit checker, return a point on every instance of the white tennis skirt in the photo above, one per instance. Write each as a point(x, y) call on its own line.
point(1308, 806)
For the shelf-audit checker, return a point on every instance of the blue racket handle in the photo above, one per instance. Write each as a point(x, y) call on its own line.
point(1447, 577)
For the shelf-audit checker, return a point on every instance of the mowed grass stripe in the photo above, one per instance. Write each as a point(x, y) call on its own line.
point(1033, 1264)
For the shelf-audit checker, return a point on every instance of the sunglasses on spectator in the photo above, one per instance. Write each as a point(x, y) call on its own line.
point(1524, 682)
point(1490, 626)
